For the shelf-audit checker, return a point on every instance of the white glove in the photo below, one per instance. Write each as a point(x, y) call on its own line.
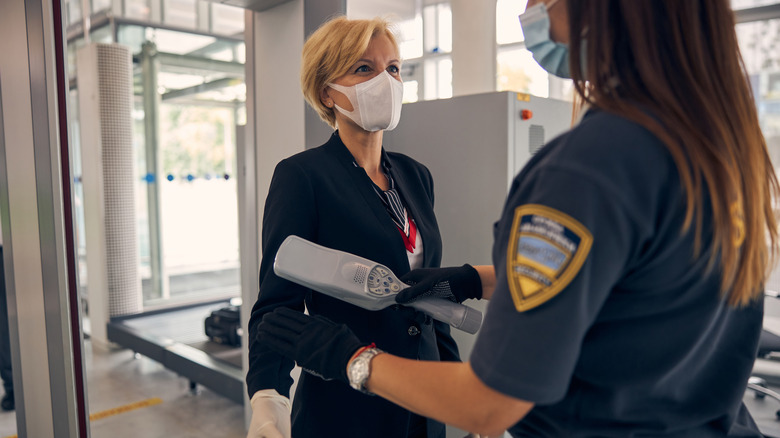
point(270, 415)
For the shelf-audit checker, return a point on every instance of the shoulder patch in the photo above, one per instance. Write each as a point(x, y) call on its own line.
point(546, 251)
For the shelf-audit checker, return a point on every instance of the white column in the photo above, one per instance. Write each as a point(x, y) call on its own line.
point(105, 87)
point(473, 46)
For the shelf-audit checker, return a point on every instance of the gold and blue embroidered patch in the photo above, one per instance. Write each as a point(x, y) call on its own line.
point(546, 251)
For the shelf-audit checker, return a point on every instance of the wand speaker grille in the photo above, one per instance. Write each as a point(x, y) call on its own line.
point(360, 275)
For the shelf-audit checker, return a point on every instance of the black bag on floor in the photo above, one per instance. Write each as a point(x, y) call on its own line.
point(224, 326)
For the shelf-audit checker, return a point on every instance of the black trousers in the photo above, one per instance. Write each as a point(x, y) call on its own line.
point(5, 340)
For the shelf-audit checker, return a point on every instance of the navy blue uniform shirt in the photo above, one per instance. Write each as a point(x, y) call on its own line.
point(602, 316)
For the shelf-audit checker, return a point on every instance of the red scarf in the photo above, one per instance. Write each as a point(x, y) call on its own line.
point(410, 241)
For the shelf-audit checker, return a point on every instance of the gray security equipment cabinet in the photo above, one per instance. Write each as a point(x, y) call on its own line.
point(474, 146)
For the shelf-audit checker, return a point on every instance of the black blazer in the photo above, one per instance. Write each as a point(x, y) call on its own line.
point(322, 196)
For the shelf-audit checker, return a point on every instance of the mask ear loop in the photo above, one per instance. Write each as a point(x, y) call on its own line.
point(349, 93)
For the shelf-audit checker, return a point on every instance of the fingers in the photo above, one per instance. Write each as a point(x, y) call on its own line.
point(419, 281)
point(294, 320)
point(416, 275)
point(270, 415)
point(283, 330)
point(286, 314)
point(280, 329)
point(321, 320)
point(284, 321)
point(266, 430)
point(272, 340)
point(410, 293)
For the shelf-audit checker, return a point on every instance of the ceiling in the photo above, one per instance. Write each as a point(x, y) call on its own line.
point(396, 10)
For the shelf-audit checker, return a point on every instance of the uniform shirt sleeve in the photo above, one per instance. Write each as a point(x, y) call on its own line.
point(290, 209)
point(531, 353)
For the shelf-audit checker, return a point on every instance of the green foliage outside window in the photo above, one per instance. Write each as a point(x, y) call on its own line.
point(193, 139)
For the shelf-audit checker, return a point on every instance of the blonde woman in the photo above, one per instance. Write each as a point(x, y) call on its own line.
point(352, 195)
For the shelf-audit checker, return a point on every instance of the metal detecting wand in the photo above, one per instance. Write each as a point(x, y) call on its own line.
point(361, 282)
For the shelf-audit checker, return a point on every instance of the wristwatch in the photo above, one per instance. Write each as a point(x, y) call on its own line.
point(359, 369)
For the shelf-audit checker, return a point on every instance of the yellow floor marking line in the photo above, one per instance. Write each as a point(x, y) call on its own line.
point(126, 408)
point(120, 410)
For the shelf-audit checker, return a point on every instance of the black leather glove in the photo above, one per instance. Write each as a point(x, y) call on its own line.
point(455, 284)
point(317, 344)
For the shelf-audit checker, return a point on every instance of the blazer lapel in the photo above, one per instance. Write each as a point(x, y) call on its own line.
point(411, 196)
point(362, 183)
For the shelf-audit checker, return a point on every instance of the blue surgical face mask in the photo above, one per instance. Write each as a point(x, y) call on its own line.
point(552, 56)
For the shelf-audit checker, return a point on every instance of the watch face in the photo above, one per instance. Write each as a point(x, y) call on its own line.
point(360, 368)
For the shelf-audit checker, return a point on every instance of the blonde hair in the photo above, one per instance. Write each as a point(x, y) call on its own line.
point(331, 50)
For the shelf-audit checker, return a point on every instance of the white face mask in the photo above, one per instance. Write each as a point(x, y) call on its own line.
point(376, 102)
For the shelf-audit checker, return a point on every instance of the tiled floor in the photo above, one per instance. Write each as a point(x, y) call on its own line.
point(164, 405)
point(7, 424)
point(118, 378)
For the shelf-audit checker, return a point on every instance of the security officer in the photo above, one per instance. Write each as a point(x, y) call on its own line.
point(630, 255)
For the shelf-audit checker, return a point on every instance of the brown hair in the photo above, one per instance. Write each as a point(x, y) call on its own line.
point(329, 53)
point(680, 61)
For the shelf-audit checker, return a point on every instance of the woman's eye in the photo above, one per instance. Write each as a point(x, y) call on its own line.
point(393, 69)
point(362, 69)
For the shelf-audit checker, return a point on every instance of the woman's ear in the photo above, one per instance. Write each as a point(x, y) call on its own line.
point(325, 97)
